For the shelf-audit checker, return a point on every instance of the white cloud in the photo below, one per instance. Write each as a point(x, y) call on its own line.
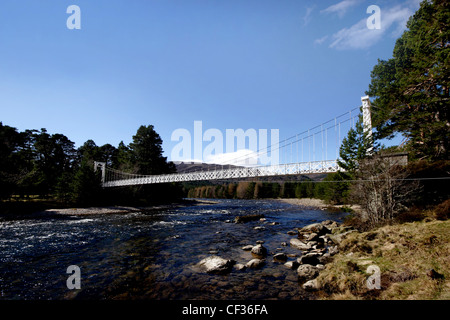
point(320, 40)
point(307, 16)
point(340, 8)
point(359, 36)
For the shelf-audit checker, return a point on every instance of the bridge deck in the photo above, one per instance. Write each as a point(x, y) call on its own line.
point(327, 166)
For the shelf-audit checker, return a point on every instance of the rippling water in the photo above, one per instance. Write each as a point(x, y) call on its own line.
point(151, 255)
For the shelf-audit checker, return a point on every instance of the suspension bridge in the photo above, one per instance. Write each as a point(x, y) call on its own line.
point(299, 155)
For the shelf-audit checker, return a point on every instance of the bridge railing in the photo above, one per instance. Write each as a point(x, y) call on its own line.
point(327, 166)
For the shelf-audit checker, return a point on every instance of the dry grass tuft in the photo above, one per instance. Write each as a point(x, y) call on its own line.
point(405, 253)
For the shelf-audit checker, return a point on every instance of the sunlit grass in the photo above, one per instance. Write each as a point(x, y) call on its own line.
point(405, 253)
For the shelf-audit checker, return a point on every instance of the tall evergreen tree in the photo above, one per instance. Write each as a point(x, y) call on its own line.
point(11, 160)
point(54, 154)
point(355, 147)
point(146, 151)
point(85, 185)
point(412, 88)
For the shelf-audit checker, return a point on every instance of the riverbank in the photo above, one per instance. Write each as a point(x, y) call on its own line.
point(319, 204)
point(413, 260)
point(308, 203)
point(276, 254)
point(51, 207)
point(126, 209)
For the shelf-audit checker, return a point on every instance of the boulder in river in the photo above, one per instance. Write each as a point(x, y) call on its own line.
point(215, 264)
point(255, 263)
point(247, 218)
point(312, 258)
point(280, 257)
point(240, 266)
point(292, 265)
point(297, 243)
point(317, 228)
point(259, 250)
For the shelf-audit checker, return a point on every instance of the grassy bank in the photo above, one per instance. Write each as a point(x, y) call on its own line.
point(406, 255)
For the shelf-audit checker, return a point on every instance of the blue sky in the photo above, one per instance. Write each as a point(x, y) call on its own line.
point(263, 64)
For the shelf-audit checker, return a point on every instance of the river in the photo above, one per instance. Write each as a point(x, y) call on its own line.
point(152, 254)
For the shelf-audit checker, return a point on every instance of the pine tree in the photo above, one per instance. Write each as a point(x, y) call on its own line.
point(147, 153)
point(85, 186)
point(355, 147)
point(412, 88)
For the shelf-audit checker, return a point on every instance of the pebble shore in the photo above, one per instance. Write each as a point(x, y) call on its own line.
point(123, 209)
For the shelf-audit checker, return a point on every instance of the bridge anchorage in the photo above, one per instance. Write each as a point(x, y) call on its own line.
point(315, 138)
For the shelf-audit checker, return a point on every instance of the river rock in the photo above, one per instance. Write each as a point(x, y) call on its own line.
point(311, 285)
point(247, 218)
point(316, 245)
point(310, 258)
point(326, 258)
point(333, 250)
point(324, 239)
point(255, 263)
point(247, 247)
point(330, 224)
point(307, 272)
point(215, 264)
point(337, 238)
point(292, 265)
point(320, 266)
point(318, 228)
point(259, 250)
point(280, 257)
point(296, 243)
point(240, 266)
point(311, 236)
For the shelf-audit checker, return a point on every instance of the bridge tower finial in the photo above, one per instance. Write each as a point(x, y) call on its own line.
point(367, 122)
point(102, 166)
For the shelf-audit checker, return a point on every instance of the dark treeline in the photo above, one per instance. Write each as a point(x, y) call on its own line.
point(35, 164)
point(333, 189)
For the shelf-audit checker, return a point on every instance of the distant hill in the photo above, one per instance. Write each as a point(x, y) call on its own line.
point(185, 167)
